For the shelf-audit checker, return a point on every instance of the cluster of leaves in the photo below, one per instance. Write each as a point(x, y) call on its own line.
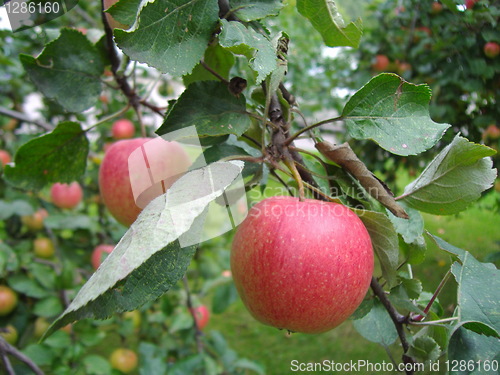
point(441, 47)
point(191, 42)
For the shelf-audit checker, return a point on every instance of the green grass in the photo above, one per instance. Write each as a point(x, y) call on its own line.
point(475, 230)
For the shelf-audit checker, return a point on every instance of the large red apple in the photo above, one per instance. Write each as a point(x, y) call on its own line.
point(135, 171)
point(4, 157)
point(114, 24)
point(301, 266)
point(381, 63)
point(202, 316)
point(123, 129)
point(491, 49)
point(99, 254)
point(8, 300)
point(66, 196)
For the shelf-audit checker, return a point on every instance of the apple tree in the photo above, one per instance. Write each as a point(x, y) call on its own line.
point(223, 69)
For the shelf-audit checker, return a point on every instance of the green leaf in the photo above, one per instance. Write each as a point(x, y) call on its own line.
point(377, 326)
point(149, 259)
point(211, 108)
point(59, 156)
point(68, 70)
point(259, 50)
point(410, 229)
point(326, 19)
point(478, 294)
point(253, 10)
point(96, 365)
point(125, 11)
point(424, 349)
point(40, 354)
point(466, 347)
point(218, 152)
point(29, 287)
point(171, 35)
point(153, 359)
point(48, 307)
point(455, 178)
point(247, 364)
point(449, 248)
point(217, 58)
point(393, 113)
point(77, 221)
point(17, 207)
point(384, 240)
point(224, 296)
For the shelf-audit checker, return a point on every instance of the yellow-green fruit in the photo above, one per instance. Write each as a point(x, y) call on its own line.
point(134, 316)
point(124, 360)
point(9, 333)
point(41, 325)
point(43, 248)
point(8, 300)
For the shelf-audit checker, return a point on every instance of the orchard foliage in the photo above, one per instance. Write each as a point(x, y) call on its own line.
point(445, 46)
point(224, 68)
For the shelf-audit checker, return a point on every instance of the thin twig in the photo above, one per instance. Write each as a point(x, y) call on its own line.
point(5, 347)
point(213, 72)
point(420, 317)
point(22, 117)
point(310, 127)
point(254, 141)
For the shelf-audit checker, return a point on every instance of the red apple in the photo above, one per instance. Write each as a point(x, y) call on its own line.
point(124, 360)
point(4, 157)
point(66, 196)
point(381, 63)
point(436, 7)
point(491, 49)
point(114, 24)
point(43, 248)
point(8, 300)
point(403, 67)
point(123, 129)
point(469, 4)
point(135, 171)
point(99, 254)
point(202, 316)
point(492, 132)
point(9, 333)
point(301, 266)
point(35, 222)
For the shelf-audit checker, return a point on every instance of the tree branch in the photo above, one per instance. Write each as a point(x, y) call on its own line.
point(6, 348)
point(22, 117)
point(397, 319)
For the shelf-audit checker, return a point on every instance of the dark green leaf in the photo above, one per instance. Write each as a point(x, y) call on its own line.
point(211, 108)
point(29, 287)
point(454, 179)
point(59, 156)
point(125, 11)
point(478, 293)
point(393, 113)
point(480, 350)
point(377, 326)
point(253, 10)
point(68, 70)
point(259, 50)
point(217, 58)
point(154, 361)
point(171, 35)
point(218, 152)
point(326, 19)
point(410, 229)
point(424, 348)
point(224, 296)
point(384, 240)
point(48, 307)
